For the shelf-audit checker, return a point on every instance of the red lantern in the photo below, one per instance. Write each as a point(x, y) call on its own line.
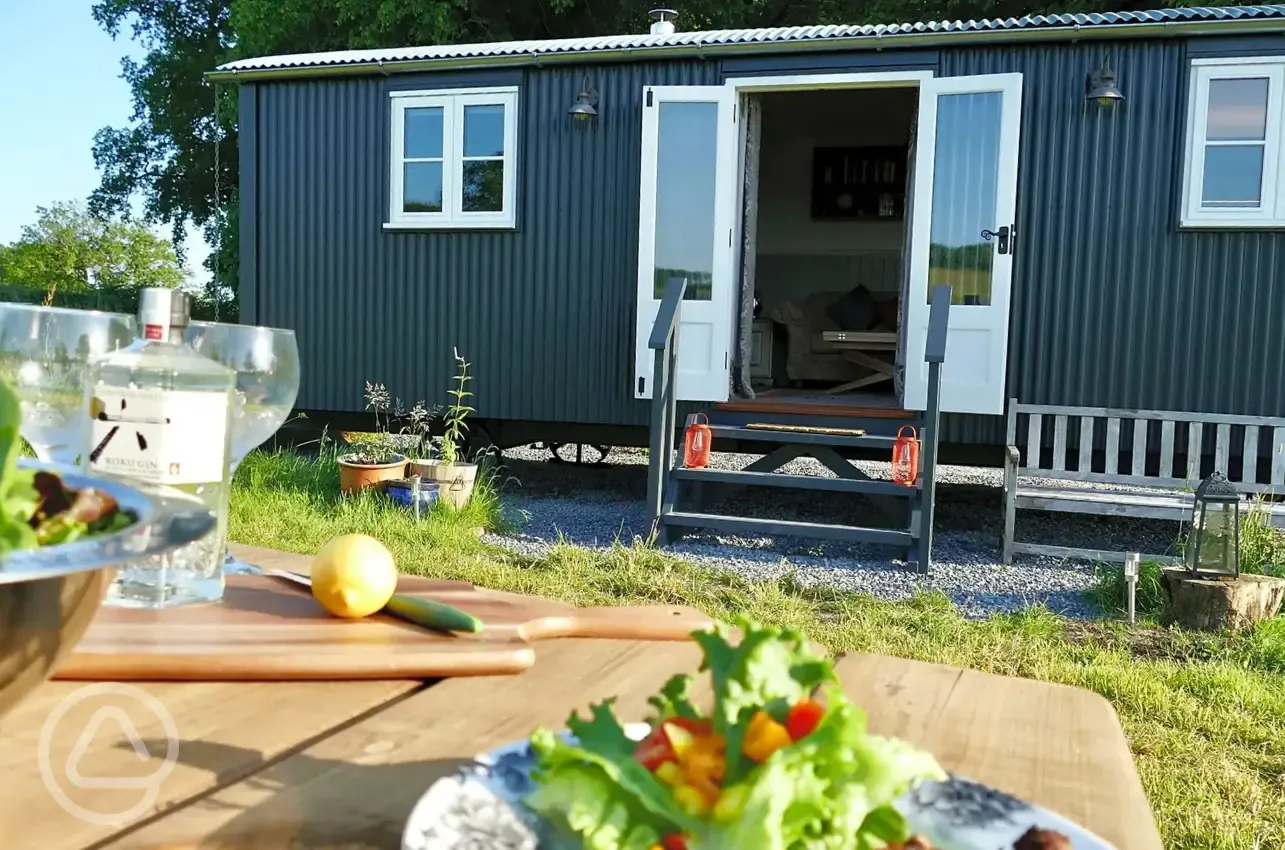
point(905, 457)
point(696, 442)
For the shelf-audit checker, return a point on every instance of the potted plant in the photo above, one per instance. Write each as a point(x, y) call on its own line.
point(419, 430)
point(378, 458)
point(454, 476)
point(370, 465)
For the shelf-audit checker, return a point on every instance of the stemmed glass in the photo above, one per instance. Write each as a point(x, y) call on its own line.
point(45, 353)
point(266, 361)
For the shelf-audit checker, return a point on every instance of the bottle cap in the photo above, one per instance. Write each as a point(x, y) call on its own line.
point(160, 309)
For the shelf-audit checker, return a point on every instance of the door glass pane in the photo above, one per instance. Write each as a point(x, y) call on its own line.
point(1237, 110)
point(484, 130)
point(1233, 176)
point(483, 185)
point(687, 148)
point(965, 189)
point(422, 187)
point(423, 132)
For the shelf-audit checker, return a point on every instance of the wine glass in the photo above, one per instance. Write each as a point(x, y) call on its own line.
point(45, 353)
point(266, 361)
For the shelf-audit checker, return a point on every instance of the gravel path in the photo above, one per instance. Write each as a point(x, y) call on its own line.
point(596, 506)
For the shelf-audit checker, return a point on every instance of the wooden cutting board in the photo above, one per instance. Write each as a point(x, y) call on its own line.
point(270, 629)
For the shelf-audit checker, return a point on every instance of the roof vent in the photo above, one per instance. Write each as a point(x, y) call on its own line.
point(662, 21)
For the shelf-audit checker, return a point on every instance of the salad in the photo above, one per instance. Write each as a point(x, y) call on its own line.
point(37, 508)
point(783, 761)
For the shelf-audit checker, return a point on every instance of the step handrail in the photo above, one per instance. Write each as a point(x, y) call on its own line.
point(934, 356)
point(664, 394)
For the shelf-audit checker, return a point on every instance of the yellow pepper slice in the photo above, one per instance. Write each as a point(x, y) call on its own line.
point(763, 737)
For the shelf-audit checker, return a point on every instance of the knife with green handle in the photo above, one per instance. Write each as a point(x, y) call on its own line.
point(428, 613)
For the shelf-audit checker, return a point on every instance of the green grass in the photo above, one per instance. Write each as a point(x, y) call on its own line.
point(1205, 714)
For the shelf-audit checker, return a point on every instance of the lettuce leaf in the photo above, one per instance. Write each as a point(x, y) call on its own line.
point(770, 669)
point(832, 790)
point(18, 496)
point(598, 790)
point(674, 701)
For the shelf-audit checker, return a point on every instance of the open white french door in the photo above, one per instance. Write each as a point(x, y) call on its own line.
point(689, 168)
point(964, 235)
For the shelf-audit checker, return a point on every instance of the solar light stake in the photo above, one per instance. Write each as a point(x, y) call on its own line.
point(1132, 562)
point(414, 495)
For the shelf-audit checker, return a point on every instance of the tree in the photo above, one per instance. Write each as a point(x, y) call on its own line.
point(182, 126)
point(70, 251)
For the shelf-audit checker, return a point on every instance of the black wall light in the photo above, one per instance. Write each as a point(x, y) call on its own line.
point(1101, 86)
point(586, 102)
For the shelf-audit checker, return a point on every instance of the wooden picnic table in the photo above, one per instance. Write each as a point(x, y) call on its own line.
point(333, 765)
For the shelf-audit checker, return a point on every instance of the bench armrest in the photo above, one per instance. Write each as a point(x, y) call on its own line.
point(1012, 457)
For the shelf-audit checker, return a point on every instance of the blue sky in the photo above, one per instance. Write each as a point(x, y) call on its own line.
point(59, 84)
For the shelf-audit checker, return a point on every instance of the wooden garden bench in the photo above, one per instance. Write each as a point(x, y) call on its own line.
point(1154, 459)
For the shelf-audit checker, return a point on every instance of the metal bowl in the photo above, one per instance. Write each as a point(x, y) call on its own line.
point(49, 595)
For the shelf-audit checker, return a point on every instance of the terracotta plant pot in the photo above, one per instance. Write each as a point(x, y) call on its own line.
point(455, 482)
point(355, 477)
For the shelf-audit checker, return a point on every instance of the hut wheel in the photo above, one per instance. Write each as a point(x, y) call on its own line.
point(579, 454)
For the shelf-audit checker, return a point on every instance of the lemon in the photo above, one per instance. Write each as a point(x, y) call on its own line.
point(353, 576)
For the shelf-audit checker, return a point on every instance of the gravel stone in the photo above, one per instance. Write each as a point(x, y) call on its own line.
point(596, 505)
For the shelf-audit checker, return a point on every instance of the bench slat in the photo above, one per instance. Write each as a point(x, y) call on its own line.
point(1166, 469)
point(1161, 508)
point(1249, 455)
point(1195, 435)
point(1033, 441)
point(1113, 445)
point(1085, 554)
point(1059, 442)
point(1140, 447)
point(1150, 482)
point(1174, 415)
point(1086, 444)
point(1222, 447)
point(1278, 457)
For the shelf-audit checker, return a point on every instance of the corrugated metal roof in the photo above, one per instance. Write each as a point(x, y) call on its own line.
point(780, 36)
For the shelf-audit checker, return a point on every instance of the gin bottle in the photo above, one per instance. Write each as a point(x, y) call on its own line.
point(161, 414)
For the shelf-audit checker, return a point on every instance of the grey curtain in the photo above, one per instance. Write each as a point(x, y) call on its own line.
point(903, 303)
point(749, 243)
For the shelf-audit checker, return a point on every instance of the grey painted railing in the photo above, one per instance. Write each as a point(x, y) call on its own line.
point(934, 356)
point(664, 395)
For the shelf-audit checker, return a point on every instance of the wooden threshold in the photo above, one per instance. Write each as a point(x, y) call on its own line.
point(812, 408)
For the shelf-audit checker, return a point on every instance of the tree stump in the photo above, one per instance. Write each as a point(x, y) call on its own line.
point(1211, 604)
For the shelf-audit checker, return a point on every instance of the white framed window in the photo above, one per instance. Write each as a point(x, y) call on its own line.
point(1234, 173)
point(453, 158)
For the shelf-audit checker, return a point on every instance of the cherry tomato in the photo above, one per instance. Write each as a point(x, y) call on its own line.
point(803, 718)
point(675, 841)
point(654, 750)
point(697, 727)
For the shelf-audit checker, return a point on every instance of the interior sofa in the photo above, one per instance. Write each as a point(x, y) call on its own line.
point(808, 356)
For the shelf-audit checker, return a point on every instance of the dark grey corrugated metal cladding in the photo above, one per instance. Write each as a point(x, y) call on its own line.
point(545, 313)
point(1113, 305)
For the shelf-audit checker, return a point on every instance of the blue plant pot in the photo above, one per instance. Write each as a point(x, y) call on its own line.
point(403, 494)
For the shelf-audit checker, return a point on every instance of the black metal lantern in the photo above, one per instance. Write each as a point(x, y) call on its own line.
point(1215, 525)
point(1101, 86)
point(586, 103)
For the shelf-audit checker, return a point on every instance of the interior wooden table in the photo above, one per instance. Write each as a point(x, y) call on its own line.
point(856, 347)
point(340, 765)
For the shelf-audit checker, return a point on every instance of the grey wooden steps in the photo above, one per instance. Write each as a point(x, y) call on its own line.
point(796, 482)
point(807, 438)
point(748, 525)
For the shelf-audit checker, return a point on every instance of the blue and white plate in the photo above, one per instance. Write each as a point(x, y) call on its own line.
point(480, 808)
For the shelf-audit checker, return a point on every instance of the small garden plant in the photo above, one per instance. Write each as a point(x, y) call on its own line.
point(456, 412)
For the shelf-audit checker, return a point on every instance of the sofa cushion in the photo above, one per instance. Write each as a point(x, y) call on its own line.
point(888, 313)
point(855, 310)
